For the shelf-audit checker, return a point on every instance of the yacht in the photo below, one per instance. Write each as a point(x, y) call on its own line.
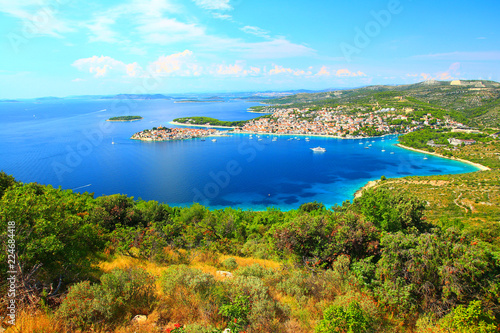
point(214, 140)
point(318, 149)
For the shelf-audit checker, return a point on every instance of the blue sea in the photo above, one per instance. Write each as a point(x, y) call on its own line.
point(68, 143)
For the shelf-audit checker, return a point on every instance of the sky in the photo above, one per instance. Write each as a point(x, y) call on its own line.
point(72, 47)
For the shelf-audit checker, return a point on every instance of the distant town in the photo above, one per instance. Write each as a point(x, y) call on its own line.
point(336, 122)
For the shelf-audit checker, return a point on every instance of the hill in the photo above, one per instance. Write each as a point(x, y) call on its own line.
point(477, 101)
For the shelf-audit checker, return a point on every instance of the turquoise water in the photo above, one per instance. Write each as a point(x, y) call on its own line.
point(68, 143)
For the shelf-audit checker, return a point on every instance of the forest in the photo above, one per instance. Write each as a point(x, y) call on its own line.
point(115, 264)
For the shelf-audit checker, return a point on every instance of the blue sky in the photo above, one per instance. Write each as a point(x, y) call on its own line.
point(72, 47)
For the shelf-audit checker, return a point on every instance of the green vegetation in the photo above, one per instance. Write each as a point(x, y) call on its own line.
point(125, 118)
point(210, 121)
point(373, 265)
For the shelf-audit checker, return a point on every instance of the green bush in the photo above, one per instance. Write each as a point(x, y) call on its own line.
point(340, 319)
point(180, 280)
point(230, 263)
point(472, 319)
point(121, 295)
point(254, 270)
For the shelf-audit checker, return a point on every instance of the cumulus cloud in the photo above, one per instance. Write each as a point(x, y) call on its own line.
point(105, 66)
point(181, 64)
point(323, 72)
point(277, 69)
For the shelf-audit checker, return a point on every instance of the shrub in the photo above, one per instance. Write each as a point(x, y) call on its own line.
point(121, 294)
point(230, 263)
point(340, 319)
point(311, 206)
point(471, 319)
point(254, 270)
point(80, 308)
point(177, 278)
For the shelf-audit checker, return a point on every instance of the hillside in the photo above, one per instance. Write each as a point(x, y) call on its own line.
point(477, 101)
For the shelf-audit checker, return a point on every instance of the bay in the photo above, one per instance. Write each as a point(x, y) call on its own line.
point(68, 143)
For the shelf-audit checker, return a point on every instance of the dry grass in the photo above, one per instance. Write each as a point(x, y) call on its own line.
point(35, 322)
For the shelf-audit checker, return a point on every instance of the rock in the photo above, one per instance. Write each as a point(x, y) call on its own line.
point(139, 319)
point(225, 274)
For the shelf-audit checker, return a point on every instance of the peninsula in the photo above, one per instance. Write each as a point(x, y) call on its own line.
point(125, 118)
point(170, 134)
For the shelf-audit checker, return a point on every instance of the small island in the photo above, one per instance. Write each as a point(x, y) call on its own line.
point(125, 118)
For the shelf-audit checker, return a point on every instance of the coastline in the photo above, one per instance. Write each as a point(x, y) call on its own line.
point(368, 185)
point(373, 183)
point(477, 165)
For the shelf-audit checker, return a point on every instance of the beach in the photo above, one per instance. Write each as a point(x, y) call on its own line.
point(477, 165)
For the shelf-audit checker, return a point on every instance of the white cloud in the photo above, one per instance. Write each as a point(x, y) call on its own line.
point(101, 31)
point(105, 66)
point(214, 4)
point(277, 69)
point(167, 31)
point(255, 31)
point(180, 64)
point(40, 17)
point(222, 16)
point(344, 72)
point(323, 72)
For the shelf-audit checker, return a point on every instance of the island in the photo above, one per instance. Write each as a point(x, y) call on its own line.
point(208, 122)
point(170, 134)
point(125, 118)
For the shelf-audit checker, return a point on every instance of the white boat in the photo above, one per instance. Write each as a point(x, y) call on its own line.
point(214, 140)
point(392, 152)
point(275, 139)
point(361, 143)
point(318, 149)
point(367, 147)
point(425, 158)
point(383, 150)
point(112, 141)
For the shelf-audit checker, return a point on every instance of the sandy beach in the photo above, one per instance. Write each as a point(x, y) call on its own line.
point(477, 165)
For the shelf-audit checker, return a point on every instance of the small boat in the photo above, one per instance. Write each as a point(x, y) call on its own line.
point(425, 158)
point(260, 139)
point(202, 139)
point(361, 143)
point(112, 141)
point(383, 150)
point(214, 140)
point(318, 149)
point(367, 147)
point(370, 145)
point(392, 152)
point(275, 139)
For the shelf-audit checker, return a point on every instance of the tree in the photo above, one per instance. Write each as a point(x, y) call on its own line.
point(55, 241)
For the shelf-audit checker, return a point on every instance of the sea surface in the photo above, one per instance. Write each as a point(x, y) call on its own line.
point(68, 143)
